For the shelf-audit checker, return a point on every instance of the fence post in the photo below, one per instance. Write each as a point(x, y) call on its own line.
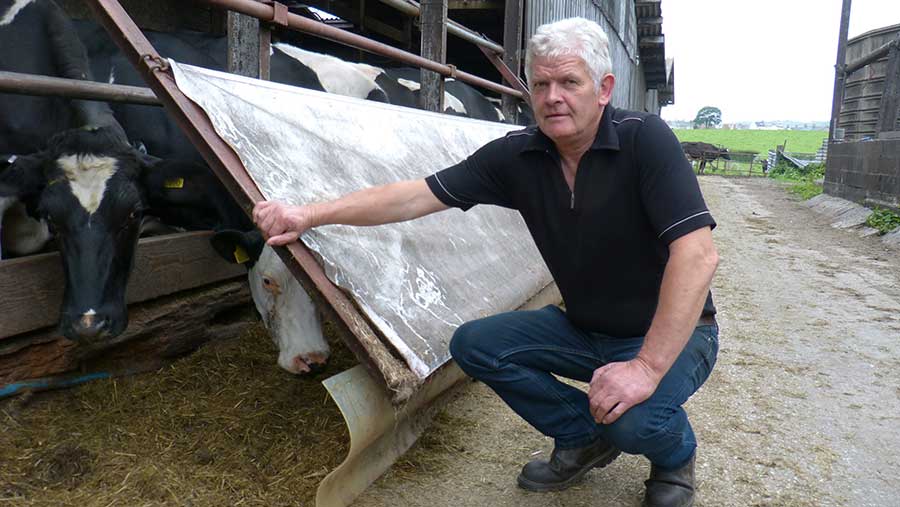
point(433, 25)
point(512, 45)
point(839, 76)
point(243, 45)
point(890, 99)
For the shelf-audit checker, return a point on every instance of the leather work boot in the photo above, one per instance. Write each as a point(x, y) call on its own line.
point(566, 466)
point(673, 488)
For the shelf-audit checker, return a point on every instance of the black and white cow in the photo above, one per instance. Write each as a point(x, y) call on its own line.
point(91, 188)
point(459, 98)
point(36, 37)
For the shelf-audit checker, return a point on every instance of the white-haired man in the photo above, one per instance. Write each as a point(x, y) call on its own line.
point(618, 217)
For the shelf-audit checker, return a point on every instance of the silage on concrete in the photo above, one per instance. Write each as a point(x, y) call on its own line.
point(223, 426)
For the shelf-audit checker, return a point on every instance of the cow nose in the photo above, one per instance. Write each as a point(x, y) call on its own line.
point(311, 364)
point(90, 325)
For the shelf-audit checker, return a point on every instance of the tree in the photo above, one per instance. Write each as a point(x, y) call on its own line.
point(708, 117)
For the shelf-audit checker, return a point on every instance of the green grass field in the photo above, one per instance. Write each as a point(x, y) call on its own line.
point(760, 141)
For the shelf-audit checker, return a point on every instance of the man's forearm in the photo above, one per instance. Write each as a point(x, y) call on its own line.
point(684, 289)
point(395, 202)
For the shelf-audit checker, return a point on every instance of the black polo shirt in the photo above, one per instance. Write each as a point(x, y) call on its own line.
point(606, 244)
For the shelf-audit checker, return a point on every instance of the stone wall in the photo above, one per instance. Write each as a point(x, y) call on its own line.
point(867, 172)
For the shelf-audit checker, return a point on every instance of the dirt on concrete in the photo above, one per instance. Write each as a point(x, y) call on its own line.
point(802, 409)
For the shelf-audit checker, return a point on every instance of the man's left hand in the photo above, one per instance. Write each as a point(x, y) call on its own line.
point(616, 387)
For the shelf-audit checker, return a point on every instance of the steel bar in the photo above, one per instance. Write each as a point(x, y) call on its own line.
point(877, 53)
point(265, 12)
point(367, 347)
point(412, 8)
point(508, 74)
point(31, 84)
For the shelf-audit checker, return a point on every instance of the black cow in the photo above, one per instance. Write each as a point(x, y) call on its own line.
point(459, 98)
point(704, 152)
point(36, 37)
point(94, 190)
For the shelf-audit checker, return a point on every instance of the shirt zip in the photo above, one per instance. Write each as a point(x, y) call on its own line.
point(572, 202)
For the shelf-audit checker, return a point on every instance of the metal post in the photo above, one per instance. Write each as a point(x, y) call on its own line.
point(265, 46)
point(433, 25)
point(512, 45)
point(839, 76)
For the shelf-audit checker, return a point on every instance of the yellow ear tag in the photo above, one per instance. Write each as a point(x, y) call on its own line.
point(240, 255)
point(174, 183)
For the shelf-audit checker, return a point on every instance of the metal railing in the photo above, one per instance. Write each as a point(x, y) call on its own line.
point(267, 12)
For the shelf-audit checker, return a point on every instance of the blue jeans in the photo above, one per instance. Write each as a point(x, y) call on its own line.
point(518, 353)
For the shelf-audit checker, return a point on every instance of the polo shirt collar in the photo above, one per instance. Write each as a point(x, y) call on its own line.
point(606, 138)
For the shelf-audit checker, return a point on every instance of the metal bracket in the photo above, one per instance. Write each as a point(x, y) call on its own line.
point(155, 63)
point(507, 74)
point(279, 13)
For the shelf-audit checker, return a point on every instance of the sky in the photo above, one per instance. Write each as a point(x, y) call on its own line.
point(762, 59)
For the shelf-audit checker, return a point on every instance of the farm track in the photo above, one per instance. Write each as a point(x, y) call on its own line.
point(802, 408)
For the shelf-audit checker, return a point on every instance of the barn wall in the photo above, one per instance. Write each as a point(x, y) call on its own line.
point(618, 20)
point(866, 172)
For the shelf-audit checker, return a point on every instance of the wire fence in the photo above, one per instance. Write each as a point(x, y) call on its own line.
point(737, 163)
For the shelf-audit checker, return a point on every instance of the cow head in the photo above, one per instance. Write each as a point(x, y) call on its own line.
point(286, 310)
point(87, 186)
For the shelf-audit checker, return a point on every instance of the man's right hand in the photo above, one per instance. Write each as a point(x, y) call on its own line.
point(282, 223)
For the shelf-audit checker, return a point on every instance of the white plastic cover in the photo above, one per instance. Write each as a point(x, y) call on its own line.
point(418, 280)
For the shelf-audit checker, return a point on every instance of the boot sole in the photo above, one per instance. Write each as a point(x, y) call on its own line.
point(541, 487)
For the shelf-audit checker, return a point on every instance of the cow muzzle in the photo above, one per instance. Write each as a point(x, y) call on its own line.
point(306, 364)
point(89, 327)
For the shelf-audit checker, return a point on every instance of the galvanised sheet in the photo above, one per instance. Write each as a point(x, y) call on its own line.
point(417, 281)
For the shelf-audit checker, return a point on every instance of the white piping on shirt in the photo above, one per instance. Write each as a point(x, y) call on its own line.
point(683, 220)
point(457, 199)
point(616, 122)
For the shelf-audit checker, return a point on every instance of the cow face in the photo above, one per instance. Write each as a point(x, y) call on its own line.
point(284, 306)
point(87, 186)
point(84, 185)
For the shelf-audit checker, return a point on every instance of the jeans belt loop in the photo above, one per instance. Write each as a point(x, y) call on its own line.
point(707, 320)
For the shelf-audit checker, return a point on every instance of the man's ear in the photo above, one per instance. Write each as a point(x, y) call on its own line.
point(24, 177)
point(238, 247)
point(606, 89)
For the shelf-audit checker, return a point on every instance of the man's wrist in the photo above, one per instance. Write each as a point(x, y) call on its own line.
point(653, 369)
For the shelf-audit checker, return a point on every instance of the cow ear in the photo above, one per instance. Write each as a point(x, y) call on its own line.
point(23, 177)
point(162, 179)
point(238, 247)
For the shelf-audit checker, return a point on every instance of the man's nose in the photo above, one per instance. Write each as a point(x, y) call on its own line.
point(553, 93)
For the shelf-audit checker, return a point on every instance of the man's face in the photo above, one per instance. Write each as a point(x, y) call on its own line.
point(567, 107)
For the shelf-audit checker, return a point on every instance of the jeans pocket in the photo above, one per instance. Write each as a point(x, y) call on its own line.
point(709, 354)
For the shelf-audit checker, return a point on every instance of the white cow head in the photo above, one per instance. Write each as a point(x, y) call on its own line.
point(286, 310)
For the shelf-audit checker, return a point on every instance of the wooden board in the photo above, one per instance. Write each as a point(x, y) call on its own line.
point(32, 287)
point(158, 332)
